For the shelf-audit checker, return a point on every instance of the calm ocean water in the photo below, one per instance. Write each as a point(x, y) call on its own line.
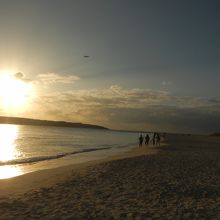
point(25, 149)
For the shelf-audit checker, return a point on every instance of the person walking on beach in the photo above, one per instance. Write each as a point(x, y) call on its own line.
point(154, 139)
point(141, 140)
point(158, 139)
point(147, 139)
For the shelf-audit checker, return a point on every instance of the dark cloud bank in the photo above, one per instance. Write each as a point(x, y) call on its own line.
point(136, 109)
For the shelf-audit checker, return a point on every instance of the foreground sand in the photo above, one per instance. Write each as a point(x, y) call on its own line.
point(177, 181)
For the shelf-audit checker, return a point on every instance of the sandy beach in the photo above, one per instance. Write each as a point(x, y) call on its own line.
point(178, 180)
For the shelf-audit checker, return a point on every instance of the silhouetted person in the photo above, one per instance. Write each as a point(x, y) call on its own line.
point(154, 138)
point(147, 139)
point(158, 139)
point(141, 140)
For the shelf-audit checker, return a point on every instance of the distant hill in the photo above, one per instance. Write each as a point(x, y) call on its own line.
point(216, 134)
point(37, 122)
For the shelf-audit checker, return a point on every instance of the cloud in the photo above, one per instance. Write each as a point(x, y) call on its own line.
point(134, 109)
point(51, 78)
point(19, 75)
point(22, 77)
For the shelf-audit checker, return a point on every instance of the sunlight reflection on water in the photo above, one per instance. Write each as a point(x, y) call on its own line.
point(9, 171)
point(8, 150)
point(25, 149)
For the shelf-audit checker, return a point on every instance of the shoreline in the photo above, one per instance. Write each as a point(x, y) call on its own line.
point(65, 159)
point(176, 181)
point(47, 177)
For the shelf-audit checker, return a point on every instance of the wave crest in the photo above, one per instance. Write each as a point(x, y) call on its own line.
point(43, 158)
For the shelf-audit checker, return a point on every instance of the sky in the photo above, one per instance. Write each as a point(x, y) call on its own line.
point(153, 65)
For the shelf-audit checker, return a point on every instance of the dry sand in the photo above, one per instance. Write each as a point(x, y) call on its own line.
point(179, 180)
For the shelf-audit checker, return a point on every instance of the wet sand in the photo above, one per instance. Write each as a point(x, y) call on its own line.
point(179, 180)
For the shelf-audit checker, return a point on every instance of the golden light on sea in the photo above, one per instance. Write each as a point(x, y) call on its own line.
point(8, 135)
point(8, 150)
point(9, 171)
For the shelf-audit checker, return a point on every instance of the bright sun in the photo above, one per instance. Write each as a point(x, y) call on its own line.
point(13, 92)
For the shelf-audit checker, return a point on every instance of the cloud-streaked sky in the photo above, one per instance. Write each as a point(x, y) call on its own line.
point(153, 65)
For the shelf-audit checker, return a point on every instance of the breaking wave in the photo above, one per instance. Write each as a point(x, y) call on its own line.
point(43, 158)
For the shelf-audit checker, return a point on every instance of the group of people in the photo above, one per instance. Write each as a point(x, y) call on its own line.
point(155, 139)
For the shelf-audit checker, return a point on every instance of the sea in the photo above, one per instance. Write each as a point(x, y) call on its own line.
point(25, 148)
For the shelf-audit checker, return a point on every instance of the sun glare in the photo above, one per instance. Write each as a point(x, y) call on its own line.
point(9, 171)
point(8, 149)
point(13, 92)
point(8, 135)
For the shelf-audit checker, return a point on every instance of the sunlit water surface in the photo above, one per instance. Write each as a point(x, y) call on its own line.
point(26, 149)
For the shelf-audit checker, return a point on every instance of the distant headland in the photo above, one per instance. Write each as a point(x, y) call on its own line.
point(38, 122)
point(216, 134)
